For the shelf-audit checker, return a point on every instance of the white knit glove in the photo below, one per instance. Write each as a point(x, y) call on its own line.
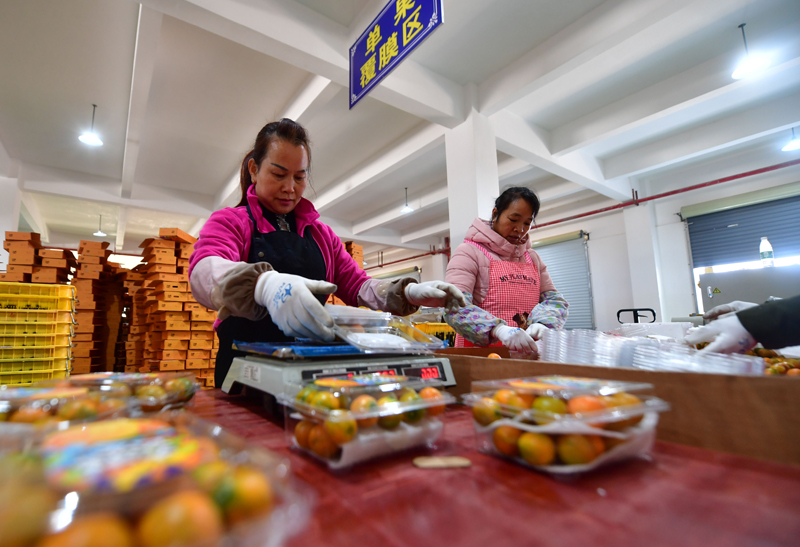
point(292, 306)
point(536, 331)
point(722, 309)
point(515, 339)
point(727, 335)
point(435, 294)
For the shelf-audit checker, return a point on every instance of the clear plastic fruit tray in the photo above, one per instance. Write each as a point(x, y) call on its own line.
point(564, 425)
point(347, 315)
point(397, 336)
point(168, 478)
point(342, 421)
point(43, 407)
point(152, 391)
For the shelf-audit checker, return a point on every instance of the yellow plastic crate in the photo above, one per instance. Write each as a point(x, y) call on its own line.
point(33, 352)
point(35, 296)
point(28, 378)
point(36, 316)
point(34, 340)
point(17, 329)
point(442, 331)
point(33, 365)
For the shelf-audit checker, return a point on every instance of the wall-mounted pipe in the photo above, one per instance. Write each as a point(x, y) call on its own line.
point(431, 253)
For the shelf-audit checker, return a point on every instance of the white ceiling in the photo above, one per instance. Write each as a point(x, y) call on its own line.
point(588, 98)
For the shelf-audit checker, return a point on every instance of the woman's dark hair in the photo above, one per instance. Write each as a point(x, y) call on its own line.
point(285, 130)
point(510, 195)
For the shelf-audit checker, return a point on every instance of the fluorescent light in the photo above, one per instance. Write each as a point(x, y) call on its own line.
point(751, 65)
point(793, 144)
point(91, 139)
point(407, 209)
point(99, 233)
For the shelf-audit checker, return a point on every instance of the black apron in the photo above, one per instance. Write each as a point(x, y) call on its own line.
point(288, 253)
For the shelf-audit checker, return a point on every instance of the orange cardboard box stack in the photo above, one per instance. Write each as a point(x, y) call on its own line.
point(173, 331)
point(91, 306)
point(114, 309)
point(133, 282)
point(357, 252)
point(22, 250)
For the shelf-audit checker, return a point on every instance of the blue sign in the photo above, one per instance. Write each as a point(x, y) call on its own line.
point(400, 27)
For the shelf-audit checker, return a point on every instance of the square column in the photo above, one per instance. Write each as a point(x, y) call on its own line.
point(643, 257)
point(10, 199)
point(473, 182)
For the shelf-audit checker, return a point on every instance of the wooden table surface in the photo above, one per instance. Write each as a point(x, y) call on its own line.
point(682, 496)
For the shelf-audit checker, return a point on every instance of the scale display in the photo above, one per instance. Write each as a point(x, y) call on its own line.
point(427, 371)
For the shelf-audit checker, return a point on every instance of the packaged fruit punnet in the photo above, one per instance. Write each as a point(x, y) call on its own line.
point(152, 391)
point(346, 420)
point(42, 406)
point(163, 479)
point(395, 335)
point(562, 424)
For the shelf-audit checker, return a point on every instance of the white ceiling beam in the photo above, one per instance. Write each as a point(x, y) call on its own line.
point(300, 36)
point(511, 167)
point(61, 182)
point(517, 138)
point(605, 41)
point(148, 35)
point(394, 157)
point(427, 232)
point(733, 130)
point(557, 191)
point(8, 167)
point(420, 203)
point(35, 219)
point(379, 236)
point(122, 223)
point(701, 92)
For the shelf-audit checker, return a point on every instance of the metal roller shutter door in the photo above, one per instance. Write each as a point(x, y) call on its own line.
point(568, 264)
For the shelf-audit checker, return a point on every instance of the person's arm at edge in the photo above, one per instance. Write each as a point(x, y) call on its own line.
point(775, 324)
point(552, 309)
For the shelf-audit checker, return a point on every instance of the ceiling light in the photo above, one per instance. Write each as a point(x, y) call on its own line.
point(752, 63)
point(100, 232)
point(90, 137)
point(793, 144)
point(407, 208)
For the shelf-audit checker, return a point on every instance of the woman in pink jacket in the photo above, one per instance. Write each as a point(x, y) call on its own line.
point(269, 263)
point(504, 280)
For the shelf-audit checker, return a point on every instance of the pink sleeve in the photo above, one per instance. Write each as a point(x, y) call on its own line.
point(226, 234)
point(545, 282)
point(463, 269)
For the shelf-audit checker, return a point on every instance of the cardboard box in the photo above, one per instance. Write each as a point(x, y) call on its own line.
point(193, 306)
point(202, 326)
point(175, 344)
point(20, 268)
point(15, 277)
point(196, 364)
point(198, 354)
point(201, 344)
point(171, 355)
point(49, 275)
point(169, 365)
point(177, 335)
point(27, 256)
point(204, 315)
point(753, 416)
point(31, 237)
point(179, 325)
point(12, 246)
point(176, 234)
point(152, 242)
point(160, 259)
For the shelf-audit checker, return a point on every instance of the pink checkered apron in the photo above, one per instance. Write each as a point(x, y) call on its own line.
point(513, 289)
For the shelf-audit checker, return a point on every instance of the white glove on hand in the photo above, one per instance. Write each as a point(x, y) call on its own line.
point(733, 307)
point(435, 294)
point(515, 339)
point(727, 335)
point(536, 331)
point(292, 306)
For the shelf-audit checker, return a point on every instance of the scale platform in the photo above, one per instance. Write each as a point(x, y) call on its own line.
point(270, 374)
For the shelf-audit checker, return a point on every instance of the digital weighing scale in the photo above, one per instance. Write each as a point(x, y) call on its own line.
point(270, 374)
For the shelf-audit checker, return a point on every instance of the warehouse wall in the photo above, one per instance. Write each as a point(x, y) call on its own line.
point(9, 212)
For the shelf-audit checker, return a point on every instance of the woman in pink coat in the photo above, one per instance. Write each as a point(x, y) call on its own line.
point(269, 263)
point(504, 281)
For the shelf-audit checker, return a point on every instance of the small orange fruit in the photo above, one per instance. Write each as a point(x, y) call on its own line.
point(301, 431)
point(508, 397)
point(110, 405)
point(184, 518)
point(597, 443)
point(340, 426)
point(486, 411)
point(527, 399)
point(548, 405)
point(431, 393)
point(97, 530)
point(536, 448)
point(252, 495)
point(364, 403)
point(393, 420)
point(305, 394)
point(77, 409)
point(412, 416)
point(505, 440)
point(215, 479)
point(323, 399)
point(793, 372)
point(623, 399)
point(320, 443)
point(576, 449)
point(493, 356)
point(586, 404)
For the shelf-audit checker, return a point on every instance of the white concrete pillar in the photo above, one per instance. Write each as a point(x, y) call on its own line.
point(473, 182)
point(9, 212)
point(643, 258)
